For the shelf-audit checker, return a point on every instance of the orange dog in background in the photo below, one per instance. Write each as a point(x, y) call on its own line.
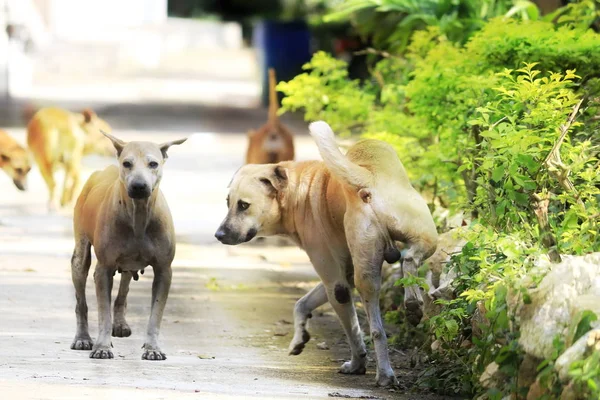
point(273, 142)
point(14, 160)
point(59, 138)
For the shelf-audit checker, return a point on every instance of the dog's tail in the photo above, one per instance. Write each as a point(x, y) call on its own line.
point(337, 162)
point(273, 100)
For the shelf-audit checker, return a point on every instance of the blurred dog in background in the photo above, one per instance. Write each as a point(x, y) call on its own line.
point(14, 160)
point(59, 138)
point(273, 142)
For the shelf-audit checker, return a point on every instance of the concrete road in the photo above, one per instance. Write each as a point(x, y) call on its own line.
point(227, 322)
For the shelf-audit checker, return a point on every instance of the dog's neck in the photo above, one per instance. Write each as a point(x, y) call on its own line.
point(295, 200)
point(139, 211)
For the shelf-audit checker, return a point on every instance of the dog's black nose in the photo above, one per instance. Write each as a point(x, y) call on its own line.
point(221, 234)
point(138, 190)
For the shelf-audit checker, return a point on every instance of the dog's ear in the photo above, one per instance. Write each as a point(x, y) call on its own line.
point(117, 143)
point(277, 181)
point(88, 114)
point(165, 146)
point(251, 133)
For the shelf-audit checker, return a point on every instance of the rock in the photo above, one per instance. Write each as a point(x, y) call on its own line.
point(435, 346)
point(322, 346)
point(528, 371)
point(567, 289)
point(569, 393)
point(536, 391)
point(587, 343)
point(492, 377)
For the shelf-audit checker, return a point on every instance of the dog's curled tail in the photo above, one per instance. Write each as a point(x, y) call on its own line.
point(337, 162)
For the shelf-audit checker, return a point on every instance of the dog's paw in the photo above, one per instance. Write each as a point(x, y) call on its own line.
point(102, 353)
point(414, 311)
point(298, 343)
point(152, 353)
point(82, 343)
point(121, 329)
point(353, 368)
point(386, 378)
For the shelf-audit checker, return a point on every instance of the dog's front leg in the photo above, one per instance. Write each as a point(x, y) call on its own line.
point(103, 277)
point(160, 292)
point(302, 312)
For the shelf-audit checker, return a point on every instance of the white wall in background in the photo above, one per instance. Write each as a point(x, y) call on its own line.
point(97, 19)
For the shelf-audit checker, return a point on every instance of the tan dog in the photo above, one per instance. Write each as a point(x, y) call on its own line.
point(59, 138)
point(14, 160)
point(123, 214)
point(273, 142)
point(346, 213)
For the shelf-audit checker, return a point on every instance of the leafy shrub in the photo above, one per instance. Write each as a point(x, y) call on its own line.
point(424, 102)
point(390, 23)
point(504, 126)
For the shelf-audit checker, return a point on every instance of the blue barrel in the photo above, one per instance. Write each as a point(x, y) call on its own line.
point(284, 46)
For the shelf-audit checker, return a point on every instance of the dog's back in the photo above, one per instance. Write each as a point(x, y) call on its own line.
point(375, 171)
point(381, 160)
point(51, 132)
point(54, 133)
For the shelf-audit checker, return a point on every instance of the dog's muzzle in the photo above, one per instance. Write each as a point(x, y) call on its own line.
point(139, 190)
point(227, 236)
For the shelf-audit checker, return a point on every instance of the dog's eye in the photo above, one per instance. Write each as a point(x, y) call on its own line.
point(227, 201)
point(153, 164)
point(5, 158)
point(242, 205)
point(127, 164)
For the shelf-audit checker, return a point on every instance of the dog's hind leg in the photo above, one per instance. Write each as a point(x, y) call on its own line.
point(48, 174)
point(120, 327)
point(367, 248)
point(302, 312)
point(418, 250)
point(419, 235)
point(413, 298)
point(80, 266)
point(71, 183)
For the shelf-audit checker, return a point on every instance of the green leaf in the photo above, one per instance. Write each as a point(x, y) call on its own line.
point(498, 173)
point(585, 324)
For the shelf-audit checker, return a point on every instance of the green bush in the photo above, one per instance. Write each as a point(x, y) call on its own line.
point(483, 127)
point(389, 24)
point(424, 101)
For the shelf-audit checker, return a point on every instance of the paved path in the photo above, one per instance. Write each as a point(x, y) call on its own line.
point(227, 322)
